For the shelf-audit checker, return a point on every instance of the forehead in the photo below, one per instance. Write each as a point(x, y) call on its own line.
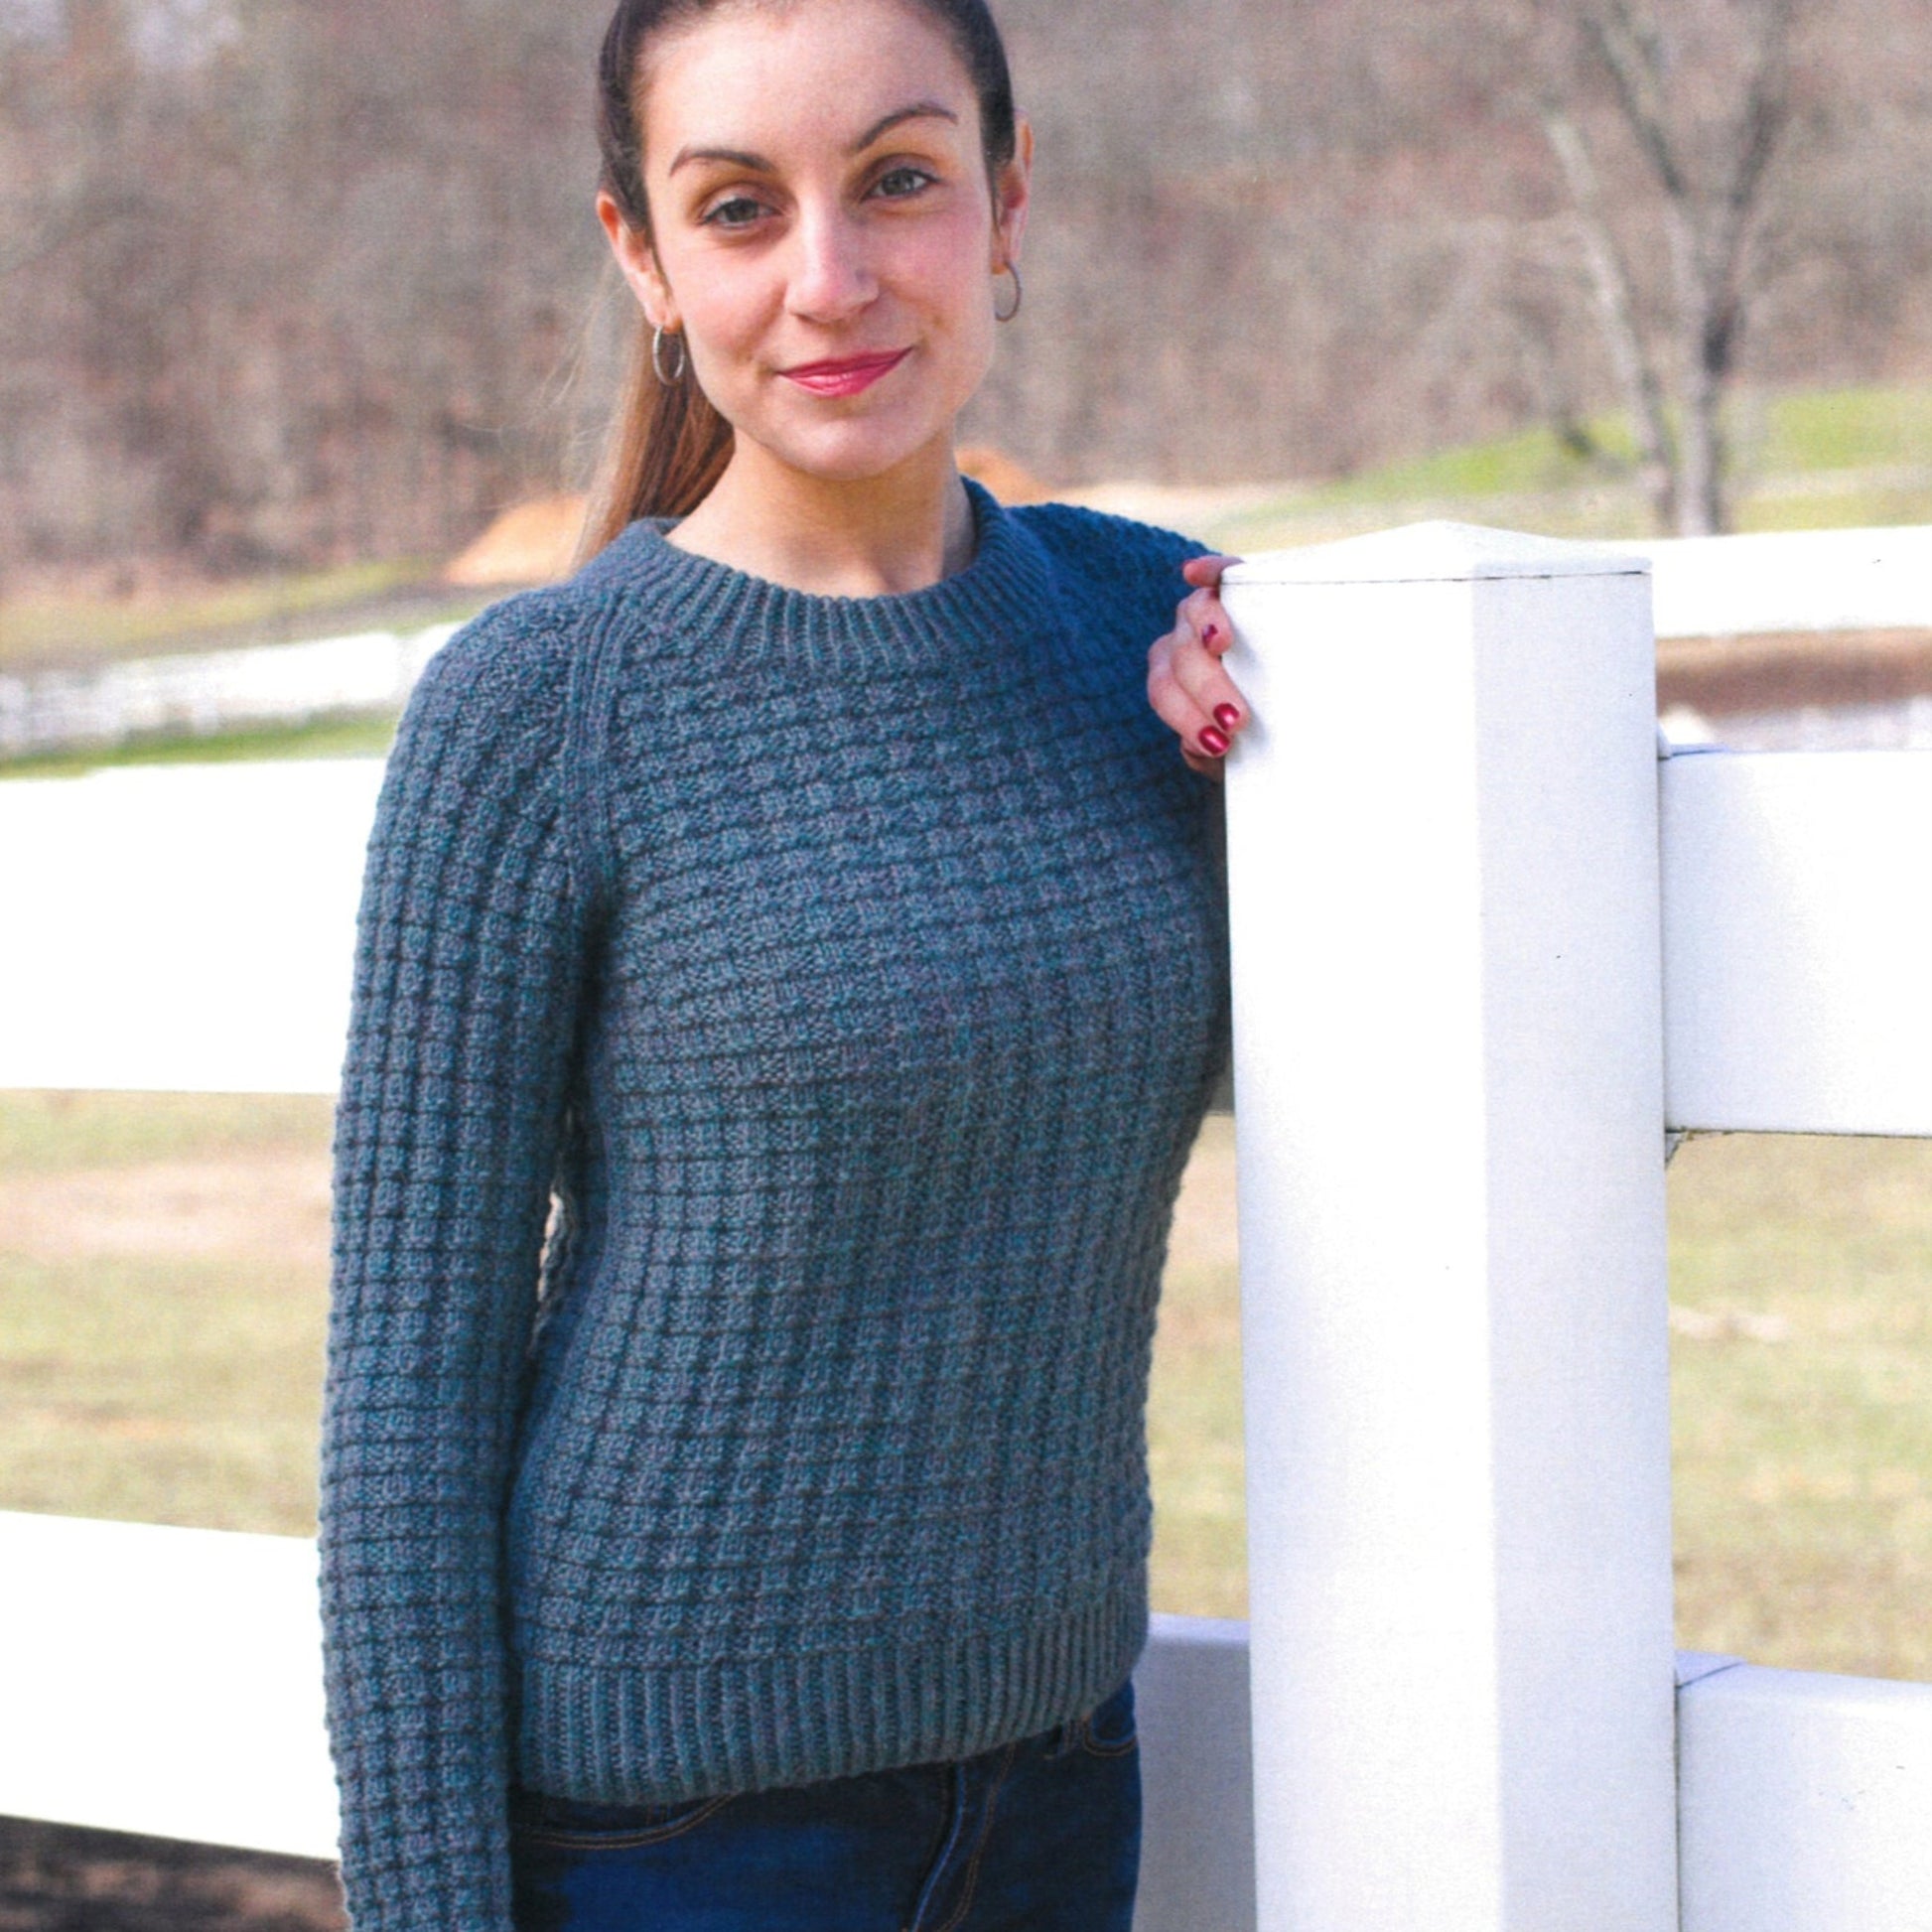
point(776, 79)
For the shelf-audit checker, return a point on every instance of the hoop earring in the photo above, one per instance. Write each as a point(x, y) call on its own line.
point(1006, 315)
point(658, 358)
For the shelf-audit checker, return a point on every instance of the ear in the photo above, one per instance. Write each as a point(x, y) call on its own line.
point(1012, 196)
point(637, 259)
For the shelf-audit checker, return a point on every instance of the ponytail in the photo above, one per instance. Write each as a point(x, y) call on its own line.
point(664, 449)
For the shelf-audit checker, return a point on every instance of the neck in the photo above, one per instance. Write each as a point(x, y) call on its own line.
point(875, 537)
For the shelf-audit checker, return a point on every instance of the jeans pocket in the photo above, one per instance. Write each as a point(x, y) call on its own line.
point(1108, 1729)
point(578, 1824)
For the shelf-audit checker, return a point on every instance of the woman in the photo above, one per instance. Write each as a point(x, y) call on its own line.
point(804, 900)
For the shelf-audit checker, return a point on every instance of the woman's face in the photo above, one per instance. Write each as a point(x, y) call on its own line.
point(825, 234)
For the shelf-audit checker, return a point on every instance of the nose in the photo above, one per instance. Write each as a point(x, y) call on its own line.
point(832, 279)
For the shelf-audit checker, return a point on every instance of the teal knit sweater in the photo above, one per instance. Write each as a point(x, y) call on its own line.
point(851, 974)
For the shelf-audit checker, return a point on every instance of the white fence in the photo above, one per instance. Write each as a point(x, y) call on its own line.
point(1797, 579)
point(1516, 947)
point(1485, 968)
point(209, 691)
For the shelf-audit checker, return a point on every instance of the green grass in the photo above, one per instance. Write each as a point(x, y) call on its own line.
point(176, 1379)
point(55, 1133)
point(152, 622)
point(1845, 429)
point(1806, 459)
point(160, 1392)
point(174, 1386)
point(1804, 1496)
point(327, 737)
point(1528, 461)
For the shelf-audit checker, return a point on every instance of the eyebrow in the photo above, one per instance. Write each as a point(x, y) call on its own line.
point(919, 110)
point(741, 158)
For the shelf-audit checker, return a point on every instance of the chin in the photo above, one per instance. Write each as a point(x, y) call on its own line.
point(858, 456)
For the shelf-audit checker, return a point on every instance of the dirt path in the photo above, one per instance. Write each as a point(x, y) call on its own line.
point(270, 1203)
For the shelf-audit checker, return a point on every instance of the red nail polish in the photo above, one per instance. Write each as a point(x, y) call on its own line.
point(1226, 716)
point(1214, 743)
point(1212, 631)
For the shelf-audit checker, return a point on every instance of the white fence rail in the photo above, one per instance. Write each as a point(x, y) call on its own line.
point(1518, 948)
point(1788, 580)
point(195, 925)
point(1797, 895)
point(209, 691)
point(164, 1681)
point(185, 928)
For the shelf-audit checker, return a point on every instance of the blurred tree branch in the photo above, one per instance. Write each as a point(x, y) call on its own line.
point(1708, 140)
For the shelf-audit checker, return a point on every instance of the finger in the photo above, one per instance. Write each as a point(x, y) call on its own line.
point(1206, 571)
point(1203, 611)
point(1174, 704)
point(1196, 661)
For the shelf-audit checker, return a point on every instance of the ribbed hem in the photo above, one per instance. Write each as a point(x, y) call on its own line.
point(650, 1735)
point(1008, 585)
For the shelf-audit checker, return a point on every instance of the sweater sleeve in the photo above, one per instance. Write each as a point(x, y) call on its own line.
point(470, 955)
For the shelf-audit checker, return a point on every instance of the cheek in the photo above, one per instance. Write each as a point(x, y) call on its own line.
point(721, 314)
point(722, 300)
point(946, 273)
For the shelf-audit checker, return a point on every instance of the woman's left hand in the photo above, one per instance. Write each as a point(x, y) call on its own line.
point(1186, 684)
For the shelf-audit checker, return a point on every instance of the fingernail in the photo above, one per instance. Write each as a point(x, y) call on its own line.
point(1212, 631)
point(1214, 743)
point(1226, 716)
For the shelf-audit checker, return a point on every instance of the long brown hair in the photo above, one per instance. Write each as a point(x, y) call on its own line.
point(667, 445)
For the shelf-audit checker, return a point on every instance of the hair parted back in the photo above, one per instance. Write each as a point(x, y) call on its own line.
point(667, 445)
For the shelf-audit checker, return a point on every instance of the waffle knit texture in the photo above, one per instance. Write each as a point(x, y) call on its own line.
point(852, 973)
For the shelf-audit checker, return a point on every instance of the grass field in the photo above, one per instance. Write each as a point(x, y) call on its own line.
point(1806, 459)
point(1802, 1274)
point(161, 1270)
point(327, 737)
point(84, 625)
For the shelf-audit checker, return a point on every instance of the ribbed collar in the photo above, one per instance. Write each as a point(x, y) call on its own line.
point(1004, 590)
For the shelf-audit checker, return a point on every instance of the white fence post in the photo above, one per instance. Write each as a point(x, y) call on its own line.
point(1447, 1069)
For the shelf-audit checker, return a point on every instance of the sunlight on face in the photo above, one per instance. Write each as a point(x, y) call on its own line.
point(824, 228)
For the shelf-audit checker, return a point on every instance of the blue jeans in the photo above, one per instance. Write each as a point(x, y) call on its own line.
point(1040, 1835)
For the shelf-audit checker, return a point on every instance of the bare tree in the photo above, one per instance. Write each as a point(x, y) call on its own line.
point(1706, 126)
point(295, 283)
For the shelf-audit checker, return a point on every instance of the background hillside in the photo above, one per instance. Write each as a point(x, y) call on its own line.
point(286, 285)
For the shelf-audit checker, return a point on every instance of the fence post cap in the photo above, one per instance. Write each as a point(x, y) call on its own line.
point(1437, 552)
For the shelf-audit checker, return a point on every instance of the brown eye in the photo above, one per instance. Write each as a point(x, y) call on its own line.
point(901, 184)
point(739, 212)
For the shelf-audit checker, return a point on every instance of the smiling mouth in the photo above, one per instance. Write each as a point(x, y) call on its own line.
point(847, 377)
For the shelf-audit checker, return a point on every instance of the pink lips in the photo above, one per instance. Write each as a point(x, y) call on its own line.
point(847, 377)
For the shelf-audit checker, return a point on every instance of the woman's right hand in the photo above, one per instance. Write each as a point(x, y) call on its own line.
point(1186, 684)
